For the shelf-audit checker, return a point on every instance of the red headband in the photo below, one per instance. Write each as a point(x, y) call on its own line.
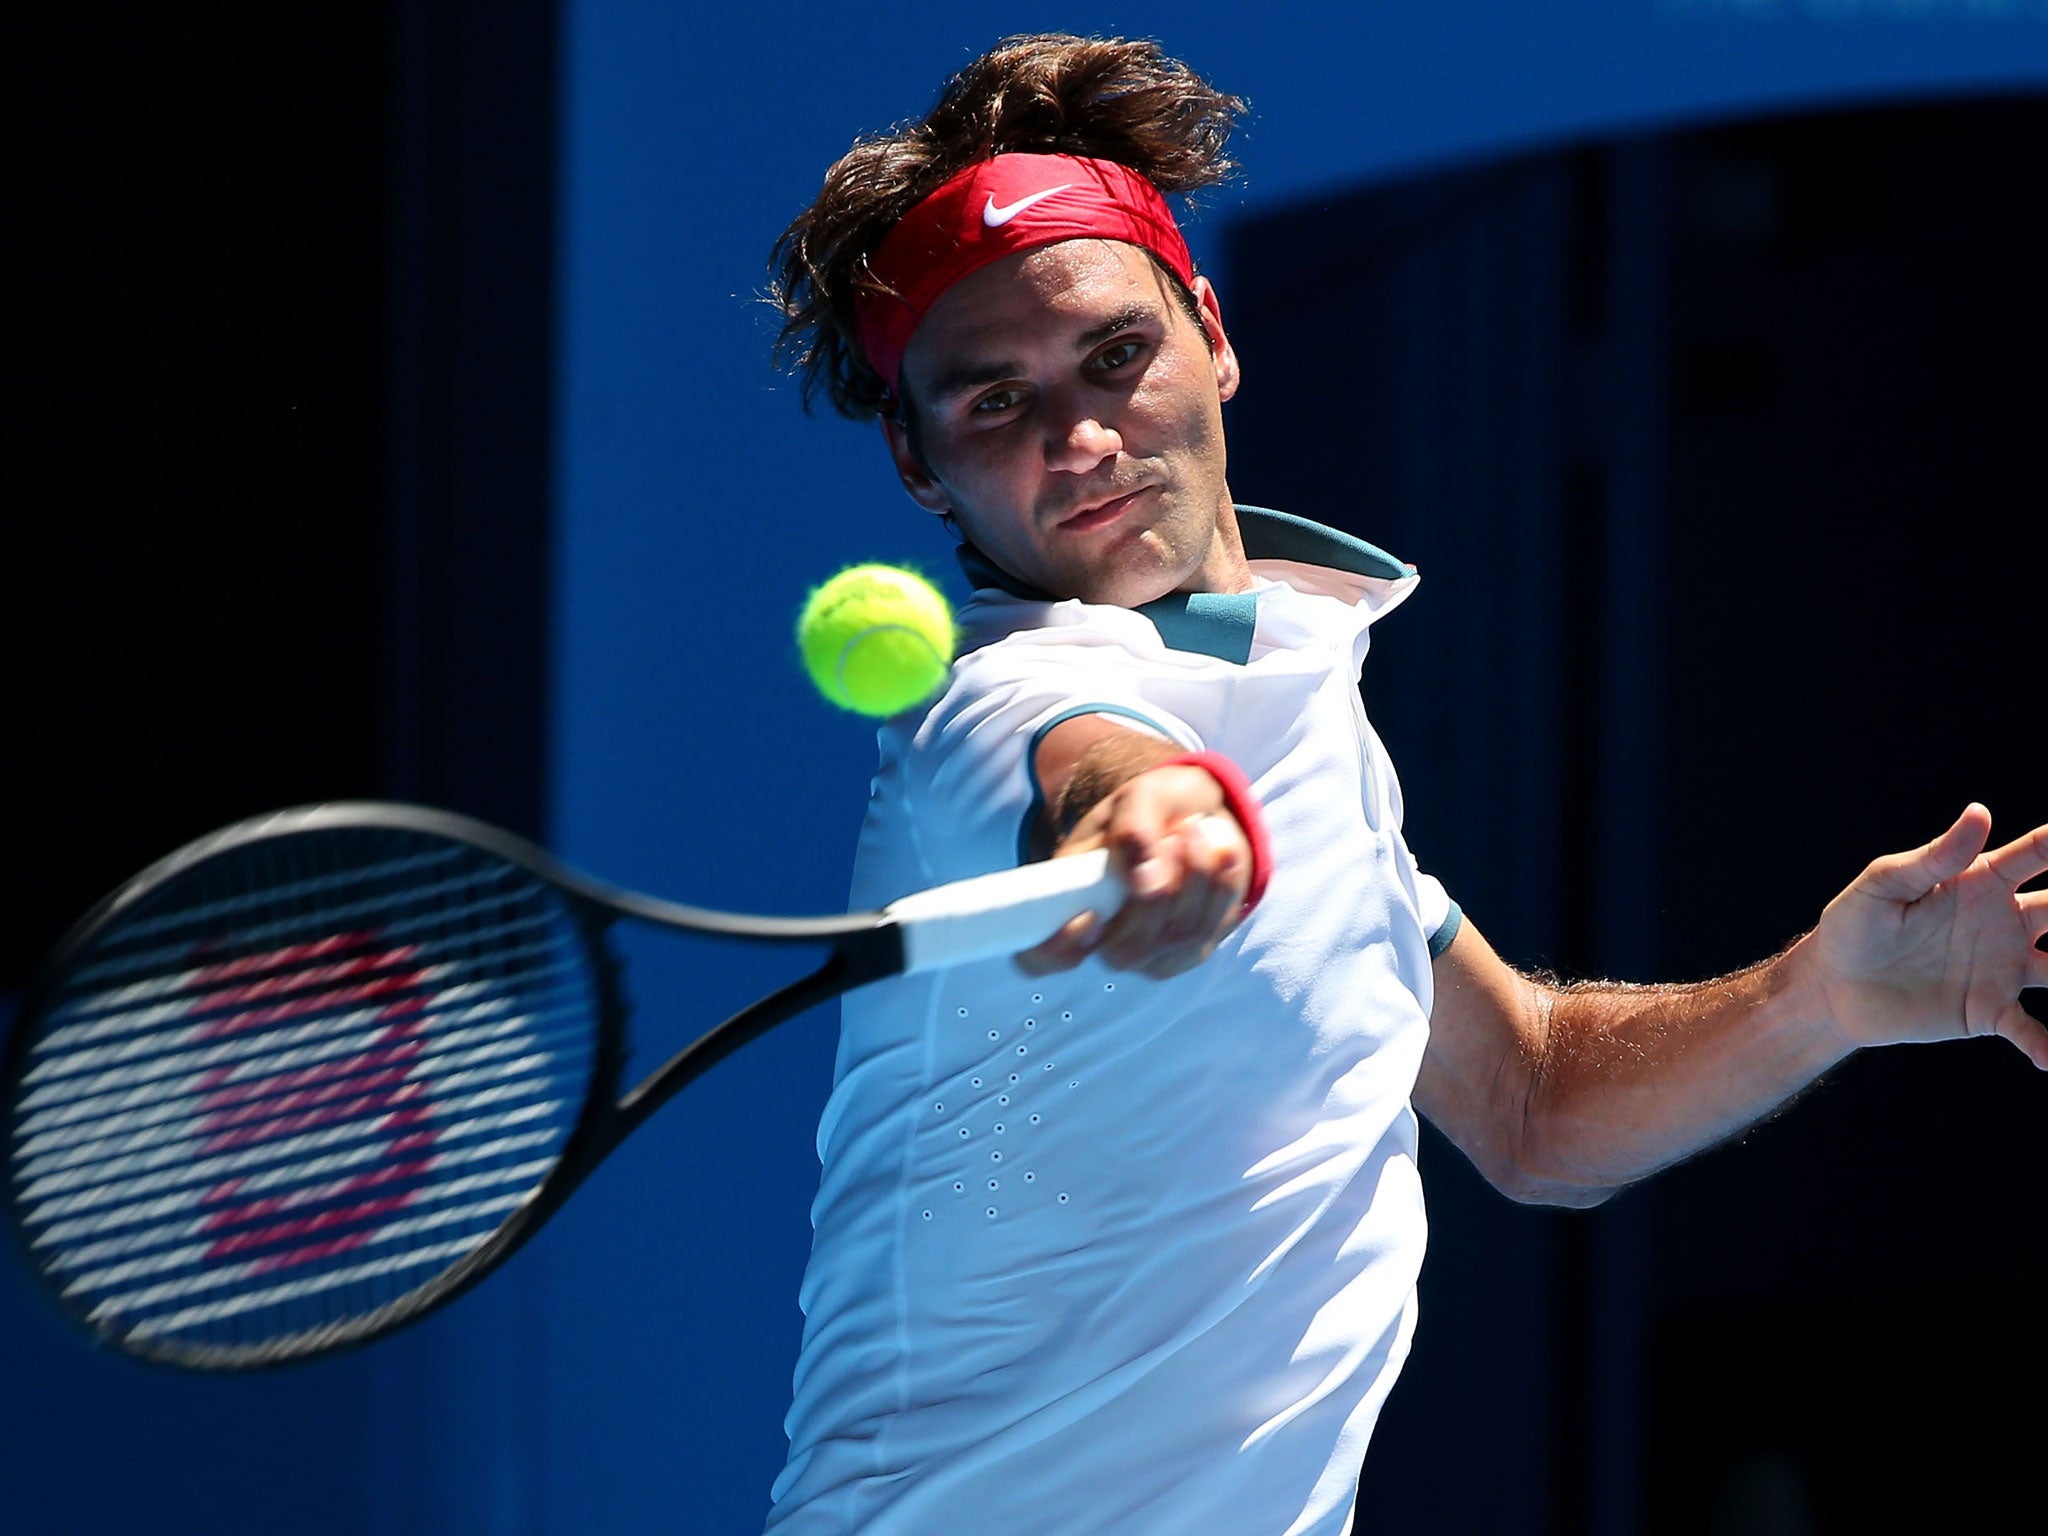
point(995, 209)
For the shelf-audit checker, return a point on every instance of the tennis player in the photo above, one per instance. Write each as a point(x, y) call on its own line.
point(1124, 1239)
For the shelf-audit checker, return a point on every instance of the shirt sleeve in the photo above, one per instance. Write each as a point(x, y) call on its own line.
point(1441, 916)
point(969, 786)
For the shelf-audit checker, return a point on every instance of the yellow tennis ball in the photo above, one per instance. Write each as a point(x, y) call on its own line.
point(876, 639)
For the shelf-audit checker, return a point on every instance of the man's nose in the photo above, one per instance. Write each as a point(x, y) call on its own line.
point(1077, 440)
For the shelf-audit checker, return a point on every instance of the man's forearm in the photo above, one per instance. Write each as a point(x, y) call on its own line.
point(1563, 1094)
point(1626, 1080)
point(1099, 772)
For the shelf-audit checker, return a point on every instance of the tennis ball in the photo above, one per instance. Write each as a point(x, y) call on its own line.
point(876, 639)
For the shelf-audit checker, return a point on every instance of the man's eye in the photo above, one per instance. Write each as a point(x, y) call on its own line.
point(1118, 355)
point(996, 403)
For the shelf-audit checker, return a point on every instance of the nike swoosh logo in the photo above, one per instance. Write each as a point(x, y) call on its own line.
point(996, 218)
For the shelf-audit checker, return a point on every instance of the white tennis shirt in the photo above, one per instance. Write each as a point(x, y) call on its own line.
point(1100, 1254)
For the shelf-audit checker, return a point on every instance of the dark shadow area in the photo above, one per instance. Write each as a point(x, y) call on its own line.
point(275, 525)
point(1718, 452)
point(195, 539)
point(277, 515)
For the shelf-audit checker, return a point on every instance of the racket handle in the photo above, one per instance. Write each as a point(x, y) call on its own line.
point(1002, 913)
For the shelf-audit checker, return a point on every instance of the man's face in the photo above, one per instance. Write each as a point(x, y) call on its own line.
point(1070, 417)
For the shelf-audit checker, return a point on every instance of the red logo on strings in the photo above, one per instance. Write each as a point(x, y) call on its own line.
point(375, 1084)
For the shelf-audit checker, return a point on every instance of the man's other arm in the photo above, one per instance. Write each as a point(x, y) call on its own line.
point(1562, 1095)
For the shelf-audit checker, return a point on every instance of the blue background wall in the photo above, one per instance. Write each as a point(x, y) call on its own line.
point(696, 502)
point(631, 1370)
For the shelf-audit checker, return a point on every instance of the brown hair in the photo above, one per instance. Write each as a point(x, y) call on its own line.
point(1051, 94)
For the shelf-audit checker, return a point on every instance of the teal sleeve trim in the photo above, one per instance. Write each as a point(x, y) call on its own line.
point(1031, 812)
point(1446, 931)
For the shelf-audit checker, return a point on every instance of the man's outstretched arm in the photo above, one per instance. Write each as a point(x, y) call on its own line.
point(1565, 1094)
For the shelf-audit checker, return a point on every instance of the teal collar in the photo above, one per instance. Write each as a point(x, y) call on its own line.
point(1220, 624)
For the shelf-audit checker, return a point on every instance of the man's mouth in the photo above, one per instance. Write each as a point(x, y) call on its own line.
point(1098, 514)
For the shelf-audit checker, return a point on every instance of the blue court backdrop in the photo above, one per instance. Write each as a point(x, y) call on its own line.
point(696, 502)
point(630, 1371)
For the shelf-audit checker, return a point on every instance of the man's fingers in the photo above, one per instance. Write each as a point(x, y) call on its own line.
point(1213, 920)
point(2021, 859)
point(1147, 926)
point(1909, 876)
point(1214, 890)
point(1219, 833)
point(1075, 942)
point(1141, 822)
point(1186, 866)
point(2033, 907)
point(1184, 894)
point(2026, 1032)
point(1151, 876)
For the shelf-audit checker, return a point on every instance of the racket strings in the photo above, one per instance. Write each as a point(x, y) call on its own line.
point(156, 1207)
point(298, 1082)
point(374, 1278)
point(206, 1267)
point(60, 1195)
point(260, 1087)
point(311, 1158)
point(239, 1227)
point(219, 1007)
point(273, 1069)
point(276, 909)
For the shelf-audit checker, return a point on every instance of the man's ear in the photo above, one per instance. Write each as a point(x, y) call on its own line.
point(1221, 353)
point(923, 489)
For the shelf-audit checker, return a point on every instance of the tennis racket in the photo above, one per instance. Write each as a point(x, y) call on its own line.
point(315, 1075)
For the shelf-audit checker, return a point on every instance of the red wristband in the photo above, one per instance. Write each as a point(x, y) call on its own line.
point(1242, 804)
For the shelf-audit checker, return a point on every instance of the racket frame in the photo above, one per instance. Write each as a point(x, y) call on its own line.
point(864, 947)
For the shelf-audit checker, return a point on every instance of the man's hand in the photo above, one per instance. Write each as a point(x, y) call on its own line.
point(1937, 943)
point(1180, 851)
